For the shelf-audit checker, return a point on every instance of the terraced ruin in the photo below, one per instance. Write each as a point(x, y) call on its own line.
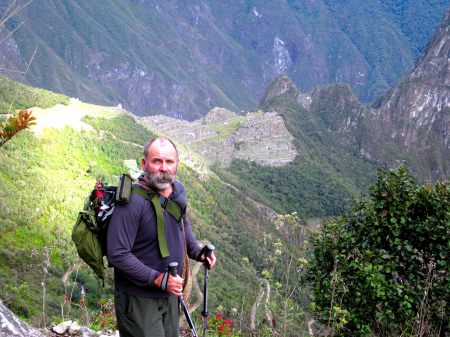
point(222, 135)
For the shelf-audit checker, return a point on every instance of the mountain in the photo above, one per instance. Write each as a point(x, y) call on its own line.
point(408, 122)
point(415, 112)
point(183, 58)
point(338, 144)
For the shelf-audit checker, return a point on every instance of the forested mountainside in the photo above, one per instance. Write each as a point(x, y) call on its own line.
point(15, 96)
point(183, 58)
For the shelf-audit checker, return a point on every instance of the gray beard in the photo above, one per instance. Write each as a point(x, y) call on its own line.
point(159, 181)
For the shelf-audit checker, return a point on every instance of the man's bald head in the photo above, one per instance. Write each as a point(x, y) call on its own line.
point(162, 141)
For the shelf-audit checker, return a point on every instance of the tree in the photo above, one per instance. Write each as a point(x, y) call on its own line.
point(22, 121)
point(386, 264)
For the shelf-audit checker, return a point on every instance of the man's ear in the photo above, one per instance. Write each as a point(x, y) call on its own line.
point(143, 164)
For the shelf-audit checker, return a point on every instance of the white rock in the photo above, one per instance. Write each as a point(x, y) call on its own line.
point(12, 326)
point(62, 328)
point(86, 332)
point(74, 328)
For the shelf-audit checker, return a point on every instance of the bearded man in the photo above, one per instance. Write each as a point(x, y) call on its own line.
point(145, 296)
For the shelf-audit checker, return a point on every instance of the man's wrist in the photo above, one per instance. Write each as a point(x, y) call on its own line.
point(158, 280)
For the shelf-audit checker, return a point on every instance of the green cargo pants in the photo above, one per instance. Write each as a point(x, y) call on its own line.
point(146, 317)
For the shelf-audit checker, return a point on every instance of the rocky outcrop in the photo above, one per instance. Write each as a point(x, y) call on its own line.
point(12, 326)
point(283, 84)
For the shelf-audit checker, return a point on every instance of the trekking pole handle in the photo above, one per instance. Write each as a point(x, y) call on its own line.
point(208, 250)
point(173, 272)
point(173, 268)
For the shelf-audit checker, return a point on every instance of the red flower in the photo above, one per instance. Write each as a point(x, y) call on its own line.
point(219, 316)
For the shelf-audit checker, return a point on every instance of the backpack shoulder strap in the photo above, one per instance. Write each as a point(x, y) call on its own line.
point(169, 205)
point(159, 202)
point(149, 195)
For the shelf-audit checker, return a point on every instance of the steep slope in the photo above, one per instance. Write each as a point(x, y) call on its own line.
point(14, 96)
point(408, 122)
point(415, 112)
point(183, 58)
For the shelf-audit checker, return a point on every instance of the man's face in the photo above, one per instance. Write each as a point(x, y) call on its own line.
point(161, 165)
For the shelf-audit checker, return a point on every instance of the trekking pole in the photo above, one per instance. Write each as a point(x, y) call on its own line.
point(173, 271)
point(208, 251)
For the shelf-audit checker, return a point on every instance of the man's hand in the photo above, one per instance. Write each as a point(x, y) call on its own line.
point(211, 260)
point(174, 284)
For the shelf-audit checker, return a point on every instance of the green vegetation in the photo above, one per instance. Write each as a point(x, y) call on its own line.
point(18, 96)
point(43, 184)
point(385, 266)
point(285, 299)
point(123, 126)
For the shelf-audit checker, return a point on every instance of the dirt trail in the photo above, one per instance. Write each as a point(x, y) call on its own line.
point(196, 286)
point(258, 302)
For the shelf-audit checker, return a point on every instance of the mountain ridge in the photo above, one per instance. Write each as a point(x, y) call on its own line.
point(409, 122)
point(183, 58)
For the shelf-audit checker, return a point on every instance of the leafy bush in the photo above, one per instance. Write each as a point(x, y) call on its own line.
point(387, 263)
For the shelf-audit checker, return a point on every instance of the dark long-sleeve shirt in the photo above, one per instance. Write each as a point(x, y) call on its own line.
point(133, 247)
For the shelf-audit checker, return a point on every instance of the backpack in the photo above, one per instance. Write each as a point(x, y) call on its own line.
point(90, 230)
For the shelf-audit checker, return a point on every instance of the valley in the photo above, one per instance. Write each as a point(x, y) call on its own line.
point(263, 180)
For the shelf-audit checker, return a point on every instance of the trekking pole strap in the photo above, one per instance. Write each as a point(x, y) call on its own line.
point(165, 280)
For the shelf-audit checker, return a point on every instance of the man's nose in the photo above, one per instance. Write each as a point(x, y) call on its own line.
point(164, 167)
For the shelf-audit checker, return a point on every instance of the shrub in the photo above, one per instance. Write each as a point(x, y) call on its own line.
point(387, 262)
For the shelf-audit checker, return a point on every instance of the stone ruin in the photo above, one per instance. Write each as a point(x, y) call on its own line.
point(222, 135)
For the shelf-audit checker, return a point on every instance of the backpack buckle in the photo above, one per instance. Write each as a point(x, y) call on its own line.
point(163, 200)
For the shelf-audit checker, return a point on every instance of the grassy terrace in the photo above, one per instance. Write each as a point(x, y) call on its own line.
point(60, 115)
